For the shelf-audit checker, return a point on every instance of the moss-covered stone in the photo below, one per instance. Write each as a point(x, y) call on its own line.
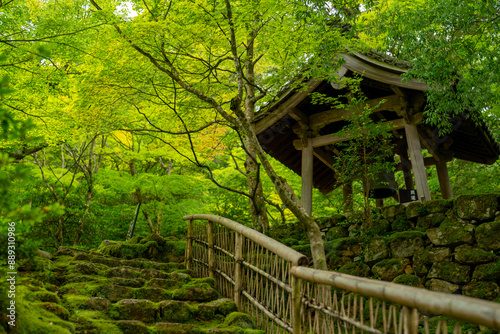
point(87, 268)
point(451, 272)
point(414, 210)
point(483, 290)
point(57, 309)
point(176, 311)
point(431, 220)
point(201, 293)
point(410, 280)
point(356, 269)
point(163, 283)
point(477, 207)
point(82, 257)
point(345, 247)
point(125, 272)
point(391, 212)
point(488, 236)
point(335, 262)
point(175, 328)
point(153, 294)
point(432, 255)
point(380, 227)
point(466, 254)
point(406, 244)
point(208, 280)
point(114, 292)
point(43, 296)
point(437, 206)
point(388, 269)
point(239, 319)
point(133, 309)
point(131, 282)
point(488, 272)
point(441, 286)
point(97, 303)
point(451, 235)
point(336, 232)
point(401, 224)
point(147, 274)
point(130, 327)
point(110, 262)
point(376, 250)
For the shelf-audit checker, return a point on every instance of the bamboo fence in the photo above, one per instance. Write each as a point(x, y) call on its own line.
point(271, 282)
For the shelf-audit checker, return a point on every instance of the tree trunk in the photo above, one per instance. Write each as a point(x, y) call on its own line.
point(258, 207)
point(289, 198)
point(131, 227)
point(150, 223)
point(82, 219)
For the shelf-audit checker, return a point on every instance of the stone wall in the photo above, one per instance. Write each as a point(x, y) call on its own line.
point(450, 246)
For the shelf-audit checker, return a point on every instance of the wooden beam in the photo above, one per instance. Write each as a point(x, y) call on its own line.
point(428, 161)
point(332, 139)
point(307, 176)
point(417, 162)
point(324, 157)
point(319, 120)
point(287, 105)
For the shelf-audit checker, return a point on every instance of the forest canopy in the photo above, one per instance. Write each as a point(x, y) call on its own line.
point(141, 111)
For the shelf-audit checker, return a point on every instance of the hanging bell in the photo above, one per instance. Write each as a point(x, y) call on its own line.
point(383, 186)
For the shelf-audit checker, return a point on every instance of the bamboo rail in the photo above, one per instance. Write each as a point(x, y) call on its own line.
point(269, 281)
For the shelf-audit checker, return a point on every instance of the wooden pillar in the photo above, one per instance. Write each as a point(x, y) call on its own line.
point(211, 250)
point(444, 179)
point(406, 169)
point(238, 269)
point(189, 245)
point(379, 202)
point(307, 176)
point(417, 162)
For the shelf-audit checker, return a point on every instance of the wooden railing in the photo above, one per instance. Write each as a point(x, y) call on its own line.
point(271, 282)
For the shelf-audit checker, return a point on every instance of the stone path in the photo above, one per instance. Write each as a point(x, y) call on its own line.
point(93, 293)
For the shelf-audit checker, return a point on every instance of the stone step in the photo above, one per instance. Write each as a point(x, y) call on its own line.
point(89, 292)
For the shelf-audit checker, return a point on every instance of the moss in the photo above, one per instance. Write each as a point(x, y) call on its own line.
point(33, 319)
point(74, 302)
point(356, 269)
point(135, 240)
point(43, 296)
point(401, 224)
point(410, 280)
point(406, 235)
point(208, 280)
point(475, 256)
point(239, 319)
point(57, 309)
point(482, 290)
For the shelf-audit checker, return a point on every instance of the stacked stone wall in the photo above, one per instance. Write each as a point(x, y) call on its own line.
point(450, 246)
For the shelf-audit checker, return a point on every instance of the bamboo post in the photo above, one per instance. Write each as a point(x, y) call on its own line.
point(296, 305)
point(211, 252)
point(238, 273)
point(189, 246)
point(411, 320)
